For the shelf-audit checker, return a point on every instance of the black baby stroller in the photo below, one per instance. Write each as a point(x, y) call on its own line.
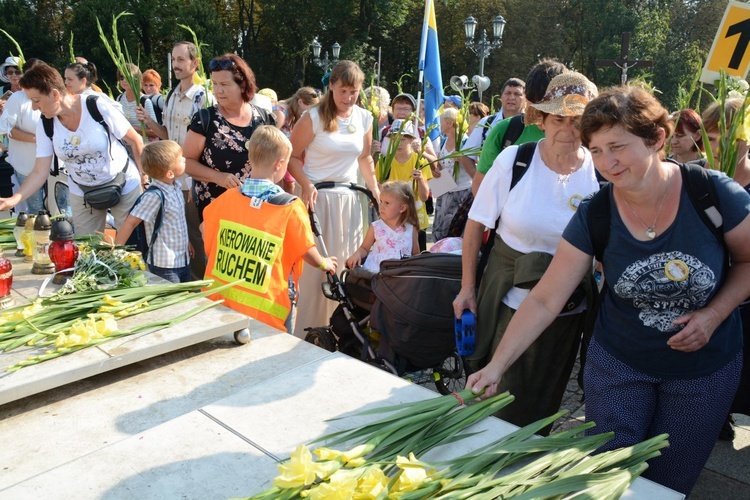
point(399, 319)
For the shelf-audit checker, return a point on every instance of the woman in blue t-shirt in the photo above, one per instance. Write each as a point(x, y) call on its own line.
point(666, 352)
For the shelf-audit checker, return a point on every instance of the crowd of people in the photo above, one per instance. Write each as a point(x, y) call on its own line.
point(590, 223)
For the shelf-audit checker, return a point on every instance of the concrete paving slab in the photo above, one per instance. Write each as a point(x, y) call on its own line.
point(292, 409)
point(731, 460)
point(47, 430)
point(175, 460)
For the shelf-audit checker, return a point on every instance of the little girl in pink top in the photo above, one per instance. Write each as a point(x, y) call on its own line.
point(393, 236)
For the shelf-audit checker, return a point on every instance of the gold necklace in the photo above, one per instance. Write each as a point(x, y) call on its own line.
point(650, 232)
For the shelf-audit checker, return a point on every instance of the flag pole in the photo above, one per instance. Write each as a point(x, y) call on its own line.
point(422, 52)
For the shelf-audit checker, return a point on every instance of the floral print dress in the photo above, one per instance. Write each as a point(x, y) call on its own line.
point(225, 149)
point(389, 244)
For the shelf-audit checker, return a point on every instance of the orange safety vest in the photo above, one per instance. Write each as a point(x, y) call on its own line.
point(260, 242)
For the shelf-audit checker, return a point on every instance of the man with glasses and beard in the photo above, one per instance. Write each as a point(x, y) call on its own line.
point(182, 102)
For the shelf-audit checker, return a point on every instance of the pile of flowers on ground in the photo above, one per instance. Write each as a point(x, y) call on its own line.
point(386, 464)
point(101, 266)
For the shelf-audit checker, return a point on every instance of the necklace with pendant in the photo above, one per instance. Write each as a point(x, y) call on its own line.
point(350, 127)
point(650, 232)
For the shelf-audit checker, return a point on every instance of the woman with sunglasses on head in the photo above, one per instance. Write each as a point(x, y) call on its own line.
point(331, 142)
point(216, 143)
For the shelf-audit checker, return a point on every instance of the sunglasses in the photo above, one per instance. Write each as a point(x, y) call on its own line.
point(11, 72)
point(220, 64)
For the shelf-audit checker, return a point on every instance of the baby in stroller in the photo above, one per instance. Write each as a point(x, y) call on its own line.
point(394, 235)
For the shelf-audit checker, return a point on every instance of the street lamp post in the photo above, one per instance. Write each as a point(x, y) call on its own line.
point(483, 47)
point(325, 63)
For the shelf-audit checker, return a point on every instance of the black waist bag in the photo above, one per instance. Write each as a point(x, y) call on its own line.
point(413, 309)
point(105, 195)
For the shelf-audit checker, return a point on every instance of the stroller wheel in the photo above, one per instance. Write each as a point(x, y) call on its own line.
point(450, 376)
point(351, 347)
point(321, 337)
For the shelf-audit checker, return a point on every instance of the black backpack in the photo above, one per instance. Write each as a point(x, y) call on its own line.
point(158, 103)
point(512, 133)
point(138, 237)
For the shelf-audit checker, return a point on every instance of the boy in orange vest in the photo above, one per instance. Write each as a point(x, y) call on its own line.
point(262, 234)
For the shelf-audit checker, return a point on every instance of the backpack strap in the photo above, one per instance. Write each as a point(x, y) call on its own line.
point(93, 109)
point(157, 221)
point(523, 157)
point(520, 166)
point(514, 131)
point(282, 198)
point(158, 101)
point(598, 219)
point(204, 117)
point(169, 95)
point(488, 126)
point(702, 193)
point(49, 131)
point(157, 104)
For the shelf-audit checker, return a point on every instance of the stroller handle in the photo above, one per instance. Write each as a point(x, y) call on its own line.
point(351, 185)
point(315, 222)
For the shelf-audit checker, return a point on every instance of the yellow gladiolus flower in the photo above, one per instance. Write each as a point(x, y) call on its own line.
point(197, 80)
point(371, 485)
point(300, 470)
point(128, 310)
point(324, 453)
point(109, 300)
point(341, 486)
point(106, 325)
point(328, 468)
point(347, 457)
point(743, 132)
point(27, 312)
point(61, 340)
point(357, 462)
point(412, 475)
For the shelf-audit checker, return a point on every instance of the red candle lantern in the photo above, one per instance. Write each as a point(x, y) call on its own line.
point(63, 252)
point(6, 282)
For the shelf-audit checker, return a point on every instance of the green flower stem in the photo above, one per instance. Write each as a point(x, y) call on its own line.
point(121, 58)
point(141, 329)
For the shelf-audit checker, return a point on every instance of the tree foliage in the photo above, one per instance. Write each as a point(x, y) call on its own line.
point(274, 37)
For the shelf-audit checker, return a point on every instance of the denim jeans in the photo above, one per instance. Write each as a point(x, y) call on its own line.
point(173, 274)
point(35, 202)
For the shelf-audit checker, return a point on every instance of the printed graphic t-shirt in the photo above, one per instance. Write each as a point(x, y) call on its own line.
point(653, 282)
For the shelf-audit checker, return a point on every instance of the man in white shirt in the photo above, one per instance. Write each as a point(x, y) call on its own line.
point(182, 102)
point(513, 102)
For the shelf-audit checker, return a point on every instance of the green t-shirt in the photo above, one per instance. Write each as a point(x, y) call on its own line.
point(494, 142)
